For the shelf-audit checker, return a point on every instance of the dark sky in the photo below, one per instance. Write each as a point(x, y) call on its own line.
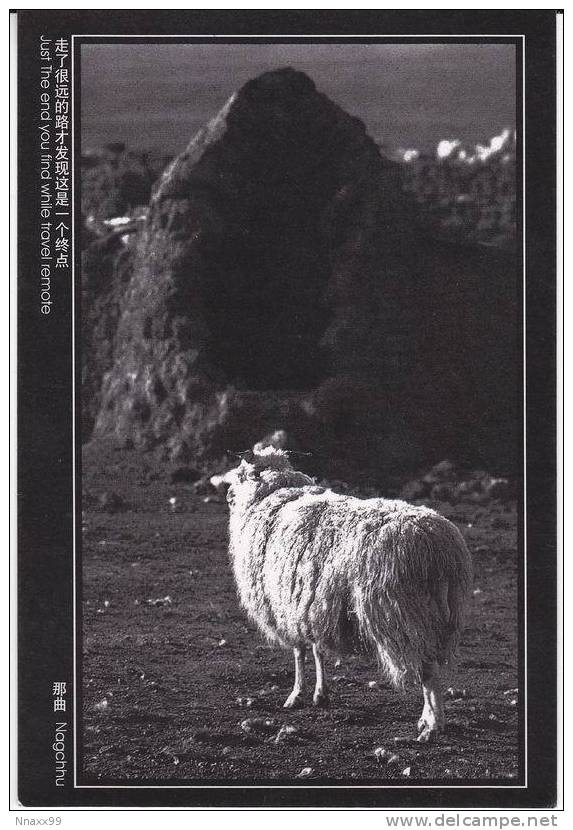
point(156, 97)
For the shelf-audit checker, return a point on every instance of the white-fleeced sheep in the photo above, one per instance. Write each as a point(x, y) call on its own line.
point(339, 574)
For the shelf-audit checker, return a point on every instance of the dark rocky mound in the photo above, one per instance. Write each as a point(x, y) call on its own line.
point(106, 270)
point(280, 281)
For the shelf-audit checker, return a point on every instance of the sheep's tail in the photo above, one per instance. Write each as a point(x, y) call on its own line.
point(451, 599)
point(453, 616)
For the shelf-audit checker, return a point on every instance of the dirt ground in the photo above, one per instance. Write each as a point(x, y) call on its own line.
point(178, 686)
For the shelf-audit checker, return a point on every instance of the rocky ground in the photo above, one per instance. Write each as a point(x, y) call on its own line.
point(178, 686)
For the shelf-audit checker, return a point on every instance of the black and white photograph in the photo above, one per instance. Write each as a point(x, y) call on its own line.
point(283, 296)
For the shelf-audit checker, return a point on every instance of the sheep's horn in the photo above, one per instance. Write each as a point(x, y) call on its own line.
point(246, 455)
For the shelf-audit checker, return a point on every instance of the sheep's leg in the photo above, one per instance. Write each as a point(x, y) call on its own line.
point(295, 697)
point(432, 720)
point(320, 691)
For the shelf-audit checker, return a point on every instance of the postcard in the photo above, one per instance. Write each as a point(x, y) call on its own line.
point(287, 408)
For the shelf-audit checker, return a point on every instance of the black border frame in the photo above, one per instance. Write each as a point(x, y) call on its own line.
point(45, 587)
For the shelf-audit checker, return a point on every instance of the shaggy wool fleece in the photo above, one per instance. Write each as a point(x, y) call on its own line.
point(312, 566)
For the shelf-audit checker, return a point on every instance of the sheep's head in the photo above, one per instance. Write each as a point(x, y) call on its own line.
point(254, 462)
point(259, 467)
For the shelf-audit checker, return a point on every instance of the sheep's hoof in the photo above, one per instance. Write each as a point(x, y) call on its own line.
point(321, 700)
point(293, 701)
point(428, 734)
point(429, 729)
